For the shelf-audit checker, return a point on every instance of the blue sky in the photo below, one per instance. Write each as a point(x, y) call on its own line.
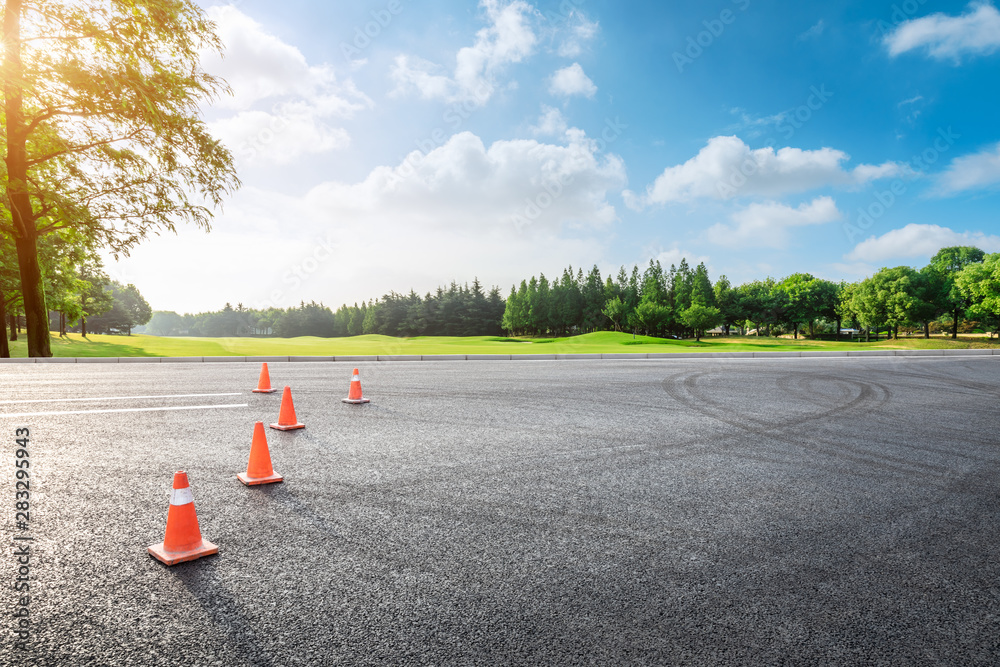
point(397, 145)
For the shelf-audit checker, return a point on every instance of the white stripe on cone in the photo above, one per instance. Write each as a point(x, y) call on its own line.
point(181, 496)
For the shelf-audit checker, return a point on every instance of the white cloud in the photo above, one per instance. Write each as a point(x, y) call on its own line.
point(508, 39)
point(500, 212)
point(767, 225)
point(462, 184)
point(726, 168)
point(299, 99)
point(277, 138)
point(259, 66)
point(581, 31)
point(572, 81)
point(971, 172)
point(976, 32)
point(550, 123)
point(918, 241)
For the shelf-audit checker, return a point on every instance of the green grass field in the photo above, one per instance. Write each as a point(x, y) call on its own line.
point(602, 342)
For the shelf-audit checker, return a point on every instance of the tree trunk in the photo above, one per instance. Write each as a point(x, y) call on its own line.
point(4, 345)
point(62, 325)
point(83, 326)
point(796, 331)
point(839, 325)
point(868, 334)
point(927, 329)
point(22, 214)
point(954, 325)
point(12, 320)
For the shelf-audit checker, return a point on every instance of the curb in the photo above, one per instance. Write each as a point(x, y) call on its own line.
point(511, 357)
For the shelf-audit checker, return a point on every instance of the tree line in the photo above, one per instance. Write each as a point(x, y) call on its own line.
point(958, 283)
point(459, 310)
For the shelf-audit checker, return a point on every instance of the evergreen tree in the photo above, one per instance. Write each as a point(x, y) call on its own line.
point(683, 286)
point(701, 287)
point(593, 300)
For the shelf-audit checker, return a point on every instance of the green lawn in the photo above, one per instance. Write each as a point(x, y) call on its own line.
point(602, 342)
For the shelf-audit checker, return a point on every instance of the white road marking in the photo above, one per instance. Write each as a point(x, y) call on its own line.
point(94, 412)
point(117, 398)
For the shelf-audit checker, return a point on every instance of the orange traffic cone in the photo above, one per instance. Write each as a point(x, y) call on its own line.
point(286, 417)
point(264, 384)
point(182, 541)
point(259, 470)
point(354, 395)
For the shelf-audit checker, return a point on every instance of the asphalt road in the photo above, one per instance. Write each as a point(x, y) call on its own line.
point(782, 511)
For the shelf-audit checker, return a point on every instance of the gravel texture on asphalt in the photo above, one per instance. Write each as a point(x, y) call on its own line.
point(718, 512)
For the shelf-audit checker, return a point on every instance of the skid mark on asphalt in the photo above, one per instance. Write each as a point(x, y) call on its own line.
point(862, 398)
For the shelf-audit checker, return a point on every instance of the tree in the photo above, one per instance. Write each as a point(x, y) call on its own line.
point(614, 310)
point(808, 299)
point(570, 300)
point(541, 306)
point(701, 287)
point(165, 323)
point(128, 309)
point(885, 298)
point(930, 296)
point(370, 322)
point(728, 302)
point(763, 303)
point(845, 309)
point(95, 295)
point(682, 285)
point(800, 307)
point(980, 284)
point(949, 262)
point(701, 318)
point(827, 294)
point(592, 292)
point(651, 316)
point(102, 130)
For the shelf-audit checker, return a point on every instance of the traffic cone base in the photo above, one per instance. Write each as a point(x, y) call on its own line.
point(173, 557)
point(287, 427)
point(264, 383)
point(254, 481)
point(355, 401)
